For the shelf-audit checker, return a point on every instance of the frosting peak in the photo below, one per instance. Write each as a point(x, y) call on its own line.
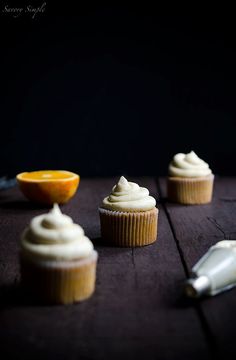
point(192, 158)
point(122, 184)
point(55, 236)
point(128, 196)
point(55, 219)
point(188, 165)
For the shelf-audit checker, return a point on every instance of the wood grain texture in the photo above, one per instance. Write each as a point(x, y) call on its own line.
point(137, 310)
point(195, 229)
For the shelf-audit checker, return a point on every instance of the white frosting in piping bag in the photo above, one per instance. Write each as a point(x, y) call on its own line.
point(129, 196)
point(215, 272)
point(226, 244)
point(188, 165)
point(55, 236)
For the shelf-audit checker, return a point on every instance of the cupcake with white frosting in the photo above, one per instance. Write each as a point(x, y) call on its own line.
point(58, 262)
point(190, 180)
point(129, 215)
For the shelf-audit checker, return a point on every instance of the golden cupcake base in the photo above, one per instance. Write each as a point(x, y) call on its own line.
point(59, 282)
point(129, 229)
point(190, 191)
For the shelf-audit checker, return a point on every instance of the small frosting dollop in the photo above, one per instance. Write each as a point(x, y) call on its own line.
point(128, 196)
point(55, 236)
point(188, 165)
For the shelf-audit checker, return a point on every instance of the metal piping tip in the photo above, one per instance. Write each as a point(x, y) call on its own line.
point(195, 288)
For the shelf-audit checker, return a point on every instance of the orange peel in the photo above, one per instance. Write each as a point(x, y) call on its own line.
point(48, 186)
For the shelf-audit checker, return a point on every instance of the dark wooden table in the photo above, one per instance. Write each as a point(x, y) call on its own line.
point(138, 310)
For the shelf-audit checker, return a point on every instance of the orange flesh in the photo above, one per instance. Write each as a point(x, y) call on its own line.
point(47, 175)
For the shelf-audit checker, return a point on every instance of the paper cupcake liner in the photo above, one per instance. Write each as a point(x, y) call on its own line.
point(129, 229)
point(190, 190)
point(59, 282)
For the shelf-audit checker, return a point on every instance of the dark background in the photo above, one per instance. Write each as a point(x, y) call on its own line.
point(109, 90)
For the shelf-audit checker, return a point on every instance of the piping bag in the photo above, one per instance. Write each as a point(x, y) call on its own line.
point(215, 272)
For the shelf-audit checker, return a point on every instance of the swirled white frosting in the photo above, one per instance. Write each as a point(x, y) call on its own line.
point(188, 165)
point(128, 196)
point(55, 236)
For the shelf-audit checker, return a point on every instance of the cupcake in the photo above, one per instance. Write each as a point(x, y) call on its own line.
point(58, 262)
point(190, 180)
point(128, 216)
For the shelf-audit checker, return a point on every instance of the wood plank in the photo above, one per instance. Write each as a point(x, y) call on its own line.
point(196, 228)
point(136, 311)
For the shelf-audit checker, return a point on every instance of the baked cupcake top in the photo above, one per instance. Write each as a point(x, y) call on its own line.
point(54, 236)
point(188, 165)
point(128, 196)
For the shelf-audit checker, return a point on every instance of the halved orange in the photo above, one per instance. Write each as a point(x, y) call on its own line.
point(48, 186)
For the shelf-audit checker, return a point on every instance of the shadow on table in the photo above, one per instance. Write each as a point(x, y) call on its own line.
point(184, 302)
point(165, 201)
point(15, 296)
point(98, 241)
point(22, 205)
